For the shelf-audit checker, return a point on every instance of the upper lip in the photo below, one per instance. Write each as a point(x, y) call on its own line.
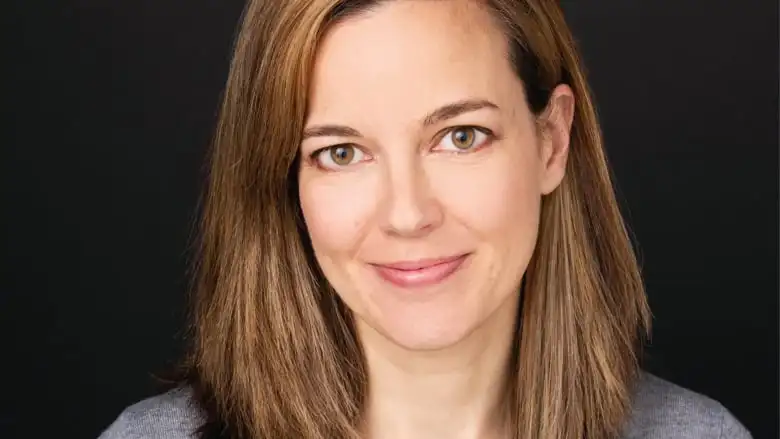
point(420, 264)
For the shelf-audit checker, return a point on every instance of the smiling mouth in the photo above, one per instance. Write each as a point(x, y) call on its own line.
point(420, 273)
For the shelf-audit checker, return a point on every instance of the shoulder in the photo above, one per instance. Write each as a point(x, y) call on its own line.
point(661, 410)
point(171, 415)
point(664, 410)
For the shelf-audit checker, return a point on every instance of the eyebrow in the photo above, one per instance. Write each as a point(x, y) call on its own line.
point(438, 115)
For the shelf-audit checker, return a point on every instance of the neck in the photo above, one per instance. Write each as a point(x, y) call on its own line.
point(456, 392)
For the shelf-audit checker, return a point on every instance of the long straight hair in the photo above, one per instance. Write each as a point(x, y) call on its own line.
point(275, 353)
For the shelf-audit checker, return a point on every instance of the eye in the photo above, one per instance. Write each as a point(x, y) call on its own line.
point(338, 156)
point(465, 138)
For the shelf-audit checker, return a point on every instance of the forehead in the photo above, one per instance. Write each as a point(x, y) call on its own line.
point(411, 56)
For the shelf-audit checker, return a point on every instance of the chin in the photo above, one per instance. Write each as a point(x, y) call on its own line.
point(476, 320)
point(427, 332)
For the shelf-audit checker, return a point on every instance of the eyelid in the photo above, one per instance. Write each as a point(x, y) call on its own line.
point(452, 128)
point(337, 145)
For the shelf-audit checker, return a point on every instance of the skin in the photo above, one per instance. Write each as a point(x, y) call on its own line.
point(406, 190)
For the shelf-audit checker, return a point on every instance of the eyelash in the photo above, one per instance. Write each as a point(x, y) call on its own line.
point(490, 138)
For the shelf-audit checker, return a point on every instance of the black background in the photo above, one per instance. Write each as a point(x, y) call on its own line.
point(110, 105)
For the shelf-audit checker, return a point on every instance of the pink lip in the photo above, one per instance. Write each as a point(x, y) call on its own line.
point(424, 272)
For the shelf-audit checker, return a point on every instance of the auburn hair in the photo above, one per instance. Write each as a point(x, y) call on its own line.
point(275, 352)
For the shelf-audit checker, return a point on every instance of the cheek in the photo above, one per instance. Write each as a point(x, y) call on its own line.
point(336, 211)
point(499, 200)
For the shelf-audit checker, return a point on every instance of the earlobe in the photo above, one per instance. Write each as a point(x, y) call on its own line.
point(559, 118)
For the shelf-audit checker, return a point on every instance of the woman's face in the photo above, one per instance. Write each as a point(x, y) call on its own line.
point(422, 170)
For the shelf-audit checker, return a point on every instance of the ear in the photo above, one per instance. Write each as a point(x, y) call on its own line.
point(556, 122)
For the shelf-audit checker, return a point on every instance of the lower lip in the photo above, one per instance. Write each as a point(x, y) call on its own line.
point(420, 278)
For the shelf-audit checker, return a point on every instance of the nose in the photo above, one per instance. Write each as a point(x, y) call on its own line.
point(411, 209)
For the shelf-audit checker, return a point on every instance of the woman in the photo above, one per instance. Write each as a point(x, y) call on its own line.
point(410, 232)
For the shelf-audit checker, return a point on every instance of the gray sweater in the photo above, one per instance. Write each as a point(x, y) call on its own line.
point(661, 410)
